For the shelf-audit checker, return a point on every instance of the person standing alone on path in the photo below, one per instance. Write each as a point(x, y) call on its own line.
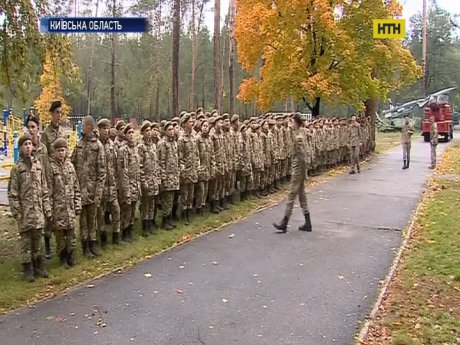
point(298, 175)
point(433, 141)
point(406, 135)
point(354, 137)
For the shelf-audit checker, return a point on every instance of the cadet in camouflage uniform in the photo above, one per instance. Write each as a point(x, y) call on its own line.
point(266, 157)
point(189, 164)
point(109, 201)
point(29, 204)
point(354, 137)
point(406, 135)
point(150, 178)
point(52, 132)
point(236, 134)
point(113, 134)
point(206, 170)
point(120, 139)
point(129, 183)
point(168, 160)
point(88, 158)
point(298, 176)
point(65, 200)
point(216, 184)
point(229, 160)
point(177, 130)
point(246, 177)
point(271, 173)
point(257, 158)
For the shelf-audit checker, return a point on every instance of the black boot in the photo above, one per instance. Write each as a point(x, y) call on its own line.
point(307, 225)
point(187, 214)
point(184, 217)
point(94, 249)
point(145, 228)
point(212, 204)
point(408, 163)
point(85, 247)
point(405, 164)
point(166, 224)
point(116, 238)
point(174, 213)
point(39, 267)
point(282, 226)
point(104, 239)
point(71, 260)
point(28, 272)
point(130, 233)
point(231, 200)
point(124, 235)
point(63, 258)
point(107, 219)
point(47, 247)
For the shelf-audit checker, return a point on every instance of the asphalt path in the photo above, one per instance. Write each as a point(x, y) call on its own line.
point(245, 284)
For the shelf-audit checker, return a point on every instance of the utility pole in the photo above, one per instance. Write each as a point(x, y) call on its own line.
point(424, 43)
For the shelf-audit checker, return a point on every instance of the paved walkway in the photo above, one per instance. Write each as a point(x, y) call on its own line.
point(257, 287)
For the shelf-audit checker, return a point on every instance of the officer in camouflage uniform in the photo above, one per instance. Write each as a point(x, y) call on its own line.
point(150, 178)
point(52, 132)
point(354, 143)
point(168, 159)
point(272, 143)
point(433, 141)
point(88, 158)
point(120, 139)
point(298, 176)
point(236, 134)
point(406, 135)
point(206, 170)
point(257, 159)
point(109, 202)
point(29, 204)
point(189, 164)
point(65, 200)
point(246, 176)
point(216, 184)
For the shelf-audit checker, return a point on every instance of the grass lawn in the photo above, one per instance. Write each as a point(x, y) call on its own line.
point(386, 140)
point(422, 305)
point(451, 164)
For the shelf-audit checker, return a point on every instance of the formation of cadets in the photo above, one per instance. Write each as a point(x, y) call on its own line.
point(171, 170)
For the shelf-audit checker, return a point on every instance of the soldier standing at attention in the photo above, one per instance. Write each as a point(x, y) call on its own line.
point(149, 178)
point(216, 185)
point(109, 202)
point(433, 141)
point(206, 169)
point(406, 135)
point(65, 202)
point(120, 139)
point(29, 204)
point(52, 132)
point(129, 183)
point(354, 143)
point(298, 175)
point(88, 158)
point(168, 160)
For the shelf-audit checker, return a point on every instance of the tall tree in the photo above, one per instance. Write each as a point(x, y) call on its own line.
point(217, 59)
point(90, 90)
point(175, 57)
point(231, 54)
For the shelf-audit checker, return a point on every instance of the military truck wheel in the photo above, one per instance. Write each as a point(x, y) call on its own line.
point(426, 137)
point(446, 137)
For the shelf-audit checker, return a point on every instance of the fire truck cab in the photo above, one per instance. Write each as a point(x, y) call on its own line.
point(439, 107)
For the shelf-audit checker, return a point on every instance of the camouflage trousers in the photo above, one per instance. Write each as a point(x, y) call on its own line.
point(186, 195)
point(257, 174)
point(216, 187)
point(246, 182)
point(114, 208)
point(297, 188)
point(433, 155)
point(127, 214)
point(167, 200)
point(229, 178)
point(406, 151)
point(285, 167)
point(65, 239)
point(47, 229)
point(30, 245)
point(147, 207)
point(88, 222)
point(354, 158)
point(201, 193)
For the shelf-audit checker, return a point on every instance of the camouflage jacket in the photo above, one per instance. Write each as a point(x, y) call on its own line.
point(189, 160)
point(129, 174)
point(41, 153)
point(110, 190)
point(64, 191)
point(229, 142)
point(246, 169)
point(257, 152)
point(406, 133)
point(88, 158)
point(206, 170)
point(150, 170)
point(49, 136)
point(298, 154)
point(119, 142)
point(238, 150)
point(28, 194)
point(354, 134)
point(266, 149)
point(434, 134)
point(217, 144)
point(168, 159)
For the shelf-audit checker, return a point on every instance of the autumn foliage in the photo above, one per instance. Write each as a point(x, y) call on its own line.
point(318, 49)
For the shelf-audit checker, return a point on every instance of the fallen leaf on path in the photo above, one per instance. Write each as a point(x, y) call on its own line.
point(340, 277)
point(181, 266)
point(225, 300)
point(90, 286)
point(179, 291)
point(231, 235)
point(147, 275)
point(215, 263)
point(49, 318)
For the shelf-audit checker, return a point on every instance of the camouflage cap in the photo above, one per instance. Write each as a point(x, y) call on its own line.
point(162, 123)
point(207, 114)
point(243, 127)
point(119, 125)
point(167, 124)
point(185, 118)
point(271, 122)
point(225, 116)
point(60, 142)
point(182, 113)
point(103, 123)
point(175, 120)
point(127, 128)
point(214, 112)
point(146, 124)
point(23, 138)
point(199, 110)
point(154, 125)
point(201, 116)
point(113, 131)
point(235, 118)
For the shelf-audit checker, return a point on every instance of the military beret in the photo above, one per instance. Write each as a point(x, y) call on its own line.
point(103, 123)
point(271, 122)
point(167, 124)
point(120, 124)
point(235, 118)
point(54, 105)
point(175, 119)
point(182, 113)
point(225, 116)
point(127, 128)
point(243, 127)
point(214, 112)
point(185, 118)
point(146, 124)
point(23, 138)
point(201, 116)
point(199, 110)
point(214, 119)
point(154, 125)
point(33, 118)
point(60, 142)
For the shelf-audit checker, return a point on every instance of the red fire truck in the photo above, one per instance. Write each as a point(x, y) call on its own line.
point(439, 107)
